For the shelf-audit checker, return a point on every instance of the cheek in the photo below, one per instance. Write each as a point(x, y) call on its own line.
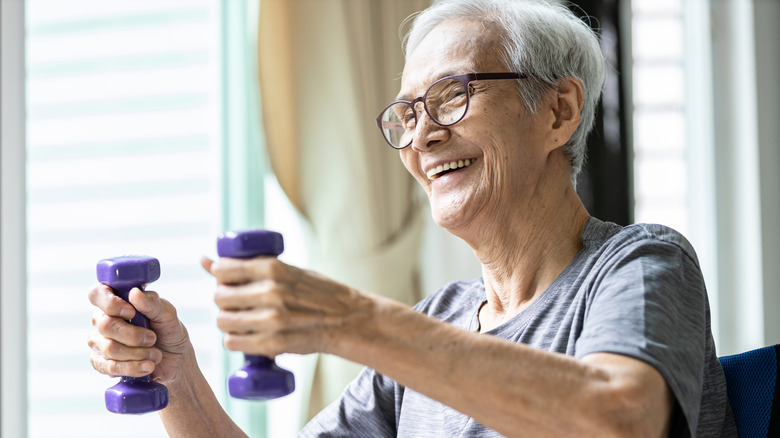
point(408, 160)
point(411, 163)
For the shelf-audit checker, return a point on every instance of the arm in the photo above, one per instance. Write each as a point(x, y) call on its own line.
point(193, 410)
point(122, 349)
point(511, 387)
point(505, 386)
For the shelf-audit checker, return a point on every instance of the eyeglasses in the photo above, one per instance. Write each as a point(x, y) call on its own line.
point(445, 102)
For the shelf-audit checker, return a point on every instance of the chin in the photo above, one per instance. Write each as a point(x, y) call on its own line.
point(447, 218)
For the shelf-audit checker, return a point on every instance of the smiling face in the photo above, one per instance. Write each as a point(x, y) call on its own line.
point(501, 151)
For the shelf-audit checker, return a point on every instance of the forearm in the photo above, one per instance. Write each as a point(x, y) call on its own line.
point(505, 386)
point(193, 409)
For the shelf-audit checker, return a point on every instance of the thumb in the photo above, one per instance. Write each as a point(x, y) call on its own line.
point(148, 303)
point(207, 263)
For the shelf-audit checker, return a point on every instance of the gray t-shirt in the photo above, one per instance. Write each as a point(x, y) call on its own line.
point(636, 291)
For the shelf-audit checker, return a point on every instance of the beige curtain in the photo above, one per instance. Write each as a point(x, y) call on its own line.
point(326, 68)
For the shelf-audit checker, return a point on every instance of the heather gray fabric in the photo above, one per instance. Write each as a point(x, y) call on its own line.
point(635, 291)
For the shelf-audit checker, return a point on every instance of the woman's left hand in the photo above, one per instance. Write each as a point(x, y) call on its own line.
point(268, 307)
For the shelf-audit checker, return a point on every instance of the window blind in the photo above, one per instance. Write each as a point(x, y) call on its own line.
point(660, 166)
point(124, 143)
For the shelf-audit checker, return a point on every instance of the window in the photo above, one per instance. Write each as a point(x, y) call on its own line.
point(660, 172)
point(125, 132)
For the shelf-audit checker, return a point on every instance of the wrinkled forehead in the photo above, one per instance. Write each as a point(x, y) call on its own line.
point(454, 46)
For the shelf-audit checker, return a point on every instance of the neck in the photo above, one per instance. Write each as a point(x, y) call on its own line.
point(526, 253)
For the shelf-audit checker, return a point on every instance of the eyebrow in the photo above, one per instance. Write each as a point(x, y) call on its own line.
point(443, 75)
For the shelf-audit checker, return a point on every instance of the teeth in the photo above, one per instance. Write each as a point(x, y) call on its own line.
point(433, 173)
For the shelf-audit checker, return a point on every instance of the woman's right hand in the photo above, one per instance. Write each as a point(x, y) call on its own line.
point(122, 349)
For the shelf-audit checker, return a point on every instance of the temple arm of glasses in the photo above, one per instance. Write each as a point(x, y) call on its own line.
point(392, 125)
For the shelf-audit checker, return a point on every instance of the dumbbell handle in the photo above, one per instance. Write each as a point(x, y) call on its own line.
point(139, 319)
point(260, 378)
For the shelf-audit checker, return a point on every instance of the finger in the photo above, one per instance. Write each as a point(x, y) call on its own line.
point(298, 288)
point(239, 271)
point(268, 321)
point(111, 349)
point(252, 295)
point(152, 306)
point(115, 368)
point(251, 321)
point(96, 315)
point(122, 331)
point(271, 346)
point(104, 298)
point(206, 263)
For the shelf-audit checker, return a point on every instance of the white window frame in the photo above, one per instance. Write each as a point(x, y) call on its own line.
point(13, 272)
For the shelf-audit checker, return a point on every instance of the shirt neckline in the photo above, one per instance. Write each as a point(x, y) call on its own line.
point(519, 321)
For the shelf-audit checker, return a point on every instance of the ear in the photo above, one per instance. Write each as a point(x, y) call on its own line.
point(566, 110)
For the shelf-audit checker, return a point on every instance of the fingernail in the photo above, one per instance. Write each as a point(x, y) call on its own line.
point(147, 367)
point(149, 339)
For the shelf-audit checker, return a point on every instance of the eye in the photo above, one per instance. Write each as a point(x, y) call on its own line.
point(456, 94)
point(403, 114)
point(448, 92)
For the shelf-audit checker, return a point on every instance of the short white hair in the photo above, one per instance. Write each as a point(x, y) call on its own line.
point(541, 38)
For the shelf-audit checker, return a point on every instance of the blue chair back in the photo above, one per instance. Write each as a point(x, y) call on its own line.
point(751, 382)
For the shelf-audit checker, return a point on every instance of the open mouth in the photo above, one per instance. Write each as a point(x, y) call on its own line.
point(446, 168)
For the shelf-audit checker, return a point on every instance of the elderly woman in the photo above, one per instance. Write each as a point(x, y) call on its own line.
point(577, 327)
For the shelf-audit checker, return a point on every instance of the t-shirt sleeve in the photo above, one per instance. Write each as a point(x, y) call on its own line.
point(370, 406)
point(366, 408)
point(648, 301)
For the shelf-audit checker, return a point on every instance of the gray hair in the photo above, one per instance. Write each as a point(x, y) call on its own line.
point(542, 38)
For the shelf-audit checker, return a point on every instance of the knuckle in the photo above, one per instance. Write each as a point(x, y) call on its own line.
point(276, 317)
point(111, 348)
point(114, 305)
point(105, 324)
point(92, 340)
point(217, 268)
point(167, 307)
point(226, 270)
point(229, 342)
point(96, 315)
point(277, 299)
point(220, 296)
point(257, 293)
point(276, 268)
point(97, 364)
point(93, 294)
point(112, 367)
point(97, 292)
point(223, 321)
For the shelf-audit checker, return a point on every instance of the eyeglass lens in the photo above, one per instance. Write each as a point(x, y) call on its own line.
point(446, 102)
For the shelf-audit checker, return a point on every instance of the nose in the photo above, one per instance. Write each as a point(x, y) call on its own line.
point(427, 133)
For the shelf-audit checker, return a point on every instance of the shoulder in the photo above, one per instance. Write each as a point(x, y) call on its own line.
point(661, 234)
point(610, 240)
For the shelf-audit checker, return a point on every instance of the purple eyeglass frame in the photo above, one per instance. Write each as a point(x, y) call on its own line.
point(464, 79)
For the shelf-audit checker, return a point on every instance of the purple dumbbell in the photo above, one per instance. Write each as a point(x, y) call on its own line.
point(260, 378)
point(132, 395)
